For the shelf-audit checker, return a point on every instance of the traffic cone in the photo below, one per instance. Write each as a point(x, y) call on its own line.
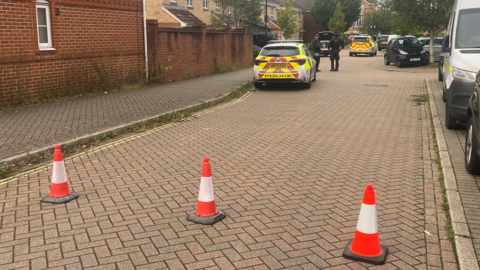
point(59, 192)
point(206, 212)
point(365, 246)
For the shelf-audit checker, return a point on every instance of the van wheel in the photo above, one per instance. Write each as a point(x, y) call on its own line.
point(440, 76)
point(450, 122)
point(444, 94)
point(472, 160)
point(385, 60)
point(258, 85)
point(351, 54)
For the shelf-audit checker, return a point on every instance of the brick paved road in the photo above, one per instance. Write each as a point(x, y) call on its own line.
point(29, 129)
point(468, 185)
point(289, 169)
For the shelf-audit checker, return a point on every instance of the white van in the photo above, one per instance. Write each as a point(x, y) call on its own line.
point(461, 47)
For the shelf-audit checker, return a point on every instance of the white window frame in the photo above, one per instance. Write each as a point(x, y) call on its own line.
point(272, 13)
point(43, 4)
point(218, 5)
point(173, 1)
point(362, 10)
point(205, 4)
point(299, 16)
point(189, 3)
point(229, 10)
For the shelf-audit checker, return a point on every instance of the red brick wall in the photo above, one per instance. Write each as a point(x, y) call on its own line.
point(96, 42)
point(193, 51)
point(311, 27)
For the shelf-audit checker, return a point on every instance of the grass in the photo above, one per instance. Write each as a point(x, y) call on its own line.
point(7, 170)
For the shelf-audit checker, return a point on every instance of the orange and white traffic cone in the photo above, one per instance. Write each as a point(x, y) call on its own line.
point(206, 212)
point(59, 192)
point(365, 245)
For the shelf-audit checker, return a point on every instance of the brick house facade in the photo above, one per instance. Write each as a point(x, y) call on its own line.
point(367, 6)
point(200, 9)
point(57, 46)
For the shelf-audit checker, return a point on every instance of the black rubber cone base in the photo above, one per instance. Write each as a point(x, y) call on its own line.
point(64, 199)
point(380, 259)
point(206, 220)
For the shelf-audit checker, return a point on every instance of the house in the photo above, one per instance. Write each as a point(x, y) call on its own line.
point(310, 27)
point(366, 7)
point(50, 47)
point(183, 13)
point(273, 7)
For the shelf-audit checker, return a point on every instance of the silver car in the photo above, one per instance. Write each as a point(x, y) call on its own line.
point(437, 46)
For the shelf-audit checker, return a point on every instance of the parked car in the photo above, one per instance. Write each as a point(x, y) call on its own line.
point(350, 39)
point(382, 42)
point(437, 46)
point(363, 45)
point(472, 140)
point(284, 62)
point(405, 51)
point(257, 48)
point(461, 46)
point(325, 38)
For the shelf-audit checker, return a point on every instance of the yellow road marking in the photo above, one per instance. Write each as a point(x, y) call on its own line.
point(130, 138)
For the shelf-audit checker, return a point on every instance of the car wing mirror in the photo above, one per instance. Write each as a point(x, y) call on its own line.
point(446, 44)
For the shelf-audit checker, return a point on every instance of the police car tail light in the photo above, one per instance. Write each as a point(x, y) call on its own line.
point(259, 61)
point(300, 61)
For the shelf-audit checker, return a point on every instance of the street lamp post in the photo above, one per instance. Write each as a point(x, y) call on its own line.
point(266, 22)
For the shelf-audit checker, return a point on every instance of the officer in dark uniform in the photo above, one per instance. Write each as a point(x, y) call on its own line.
point(334, 46)
point(316, 46)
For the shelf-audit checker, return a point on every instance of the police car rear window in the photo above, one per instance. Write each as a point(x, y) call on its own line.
point(280, 51)
point(360, 39)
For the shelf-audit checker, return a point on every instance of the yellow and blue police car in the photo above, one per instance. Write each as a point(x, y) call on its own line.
point(284, 62)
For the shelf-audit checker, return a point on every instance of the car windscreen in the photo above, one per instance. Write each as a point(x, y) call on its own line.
point(383, 38)
point(360, 39)
point(468, 32)
point(409, 43)
point(280, 51)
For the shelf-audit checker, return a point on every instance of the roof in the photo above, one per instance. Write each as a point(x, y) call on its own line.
point(181, 14)
point(228, 19)
point(305, 4)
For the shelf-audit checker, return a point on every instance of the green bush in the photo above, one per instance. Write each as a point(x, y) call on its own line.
point(255, 54)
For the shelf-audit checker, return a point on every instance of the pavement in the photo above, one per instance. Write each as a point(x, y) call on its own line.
point(466, 185)
point(28, 130)
point(289, 168)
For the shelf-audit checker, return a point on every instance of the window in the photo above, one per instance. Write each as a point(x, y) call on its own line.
point(272, 12)
point(173, 1)
point(43, 25)
point(362, 10)
point(468, 32)
point(189, 3)
point(218, 5)
point(205, 4)
point(229, 10)
point(299, 16)
point(280, 51)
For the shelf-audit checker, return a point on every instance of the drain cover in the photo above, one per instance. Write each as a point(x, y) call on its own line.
point(375, 85)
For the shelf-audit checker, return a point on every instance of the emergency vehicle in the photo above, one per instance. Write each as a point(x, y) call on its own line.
point(363, 45)
point(284, 62)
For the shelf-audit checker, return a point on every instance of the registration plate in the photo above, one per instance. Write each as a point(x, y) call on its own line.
point(278, 66)
point(414, 59)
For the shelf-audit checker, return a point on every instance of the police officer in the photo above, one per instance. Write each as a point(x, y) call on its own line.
point(335, 47)
point(316, 46)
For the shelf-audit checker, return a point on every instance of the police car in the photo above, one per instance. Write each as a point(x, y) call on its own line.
point(284, 62)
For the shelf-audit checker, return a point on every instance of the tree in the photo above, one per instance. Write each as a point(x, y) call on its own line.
point(323, 10)
point(381, 17)
point(286, 19)
point(337, 23)
point(244, 12)
point(427, 15)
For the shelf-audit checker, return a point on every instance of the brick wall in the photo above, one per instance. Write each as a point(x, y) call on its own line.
point(194, 51)
point(96, 42)
point(311, 27)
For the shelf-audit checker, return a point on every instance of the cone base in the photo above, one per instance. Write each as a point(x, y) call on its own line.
point(58, 200)
point(378, 260)
point(206, 220)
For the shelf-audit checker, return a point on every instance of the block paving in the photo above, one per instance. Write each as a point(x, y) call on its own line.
point(25, 130)
point(289, 168)
point(468, 185)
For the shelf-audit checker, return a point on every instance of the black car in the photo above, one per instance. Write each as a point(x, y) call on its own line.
point(382, 42)
point(325, 38)
point(405, 51)
point(472, 140)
